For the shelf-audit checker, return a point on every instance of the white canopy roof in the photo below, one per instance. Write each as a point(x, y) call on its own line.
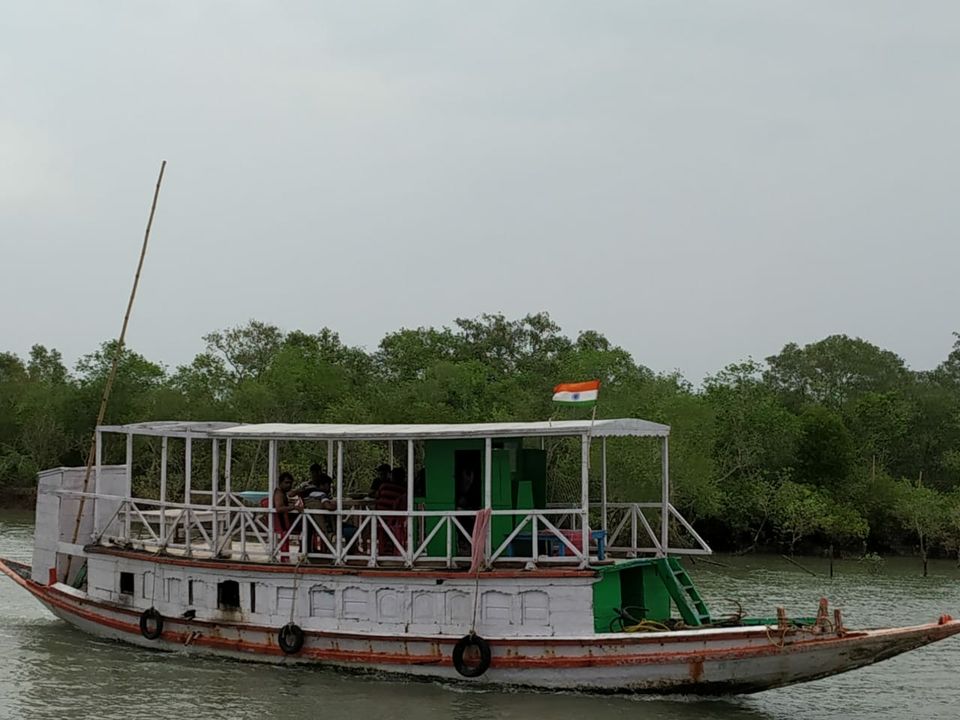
point(625, 427)
point(172, 428)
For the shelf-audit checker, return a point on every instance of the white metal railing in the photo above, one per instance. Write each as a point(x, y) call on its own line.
point(376, 537)
point(231, 529)
point(630, 532)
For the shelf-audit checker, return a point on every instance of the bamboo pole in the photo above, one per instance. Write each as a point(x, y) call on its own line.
point(794, 562)
point(101, 413)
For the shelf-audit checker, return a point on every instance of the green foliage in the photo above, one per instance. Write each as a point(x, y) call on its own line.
point(799, 510)
point(754, 432)
point(921, 509)
point(825, 455)
point(880, 423)
point(843, 524)
point(806, 449)
point(834, 371)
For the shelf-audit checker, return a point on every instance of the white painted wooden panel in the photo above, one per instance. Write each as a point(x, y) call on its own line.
point(173, 591)
point(323, 602)
point(496, 608)
point(534, 608)
point(284, 601)
point(391, 606)
point(355, 603)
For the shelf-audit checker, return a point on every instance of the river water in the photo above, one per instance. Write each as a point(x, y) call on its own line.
point(49, 670)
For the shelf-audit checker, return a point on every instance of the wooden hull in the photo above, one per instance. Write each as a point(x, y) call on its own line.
point(715, 661)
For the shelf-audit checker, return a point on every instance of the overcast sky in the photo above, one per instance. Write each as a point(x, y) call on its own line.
point(700, 181)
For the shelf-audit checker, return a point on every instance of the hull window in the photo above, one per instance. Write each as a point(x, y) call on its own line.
point(126, 583)
point(253, 597)
point(228, 595)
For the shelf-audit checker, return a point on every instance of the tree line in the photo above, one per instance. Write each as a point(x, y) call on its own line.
point(835, 443)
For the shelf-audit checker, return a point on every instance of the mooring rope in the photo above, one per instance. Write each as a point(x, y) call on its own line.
point(478, 542)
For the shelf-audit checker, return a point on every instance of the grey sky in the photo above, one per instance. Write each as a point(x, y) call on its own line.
point(701, 181)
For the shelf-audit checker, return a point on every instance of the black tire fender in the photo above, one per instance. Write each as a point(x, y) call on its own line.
point(151, 624)
point(471, 641)
point(290, 638)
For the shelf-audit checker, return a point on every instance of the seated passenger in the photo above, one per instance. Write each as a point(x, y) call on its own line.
point(283, 508)
point(383, 475)
point(282, 505)
point(316, 495)
point(392, 495)
point(317, 492)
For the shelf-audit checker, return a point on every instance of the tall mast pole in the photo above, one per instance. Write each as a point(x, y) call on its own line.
point(101, 413)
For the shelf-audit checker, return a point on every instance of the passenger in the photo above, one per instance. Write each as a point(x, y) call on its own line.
point(281, 496)
point(283, 508)
point(392, 496)
point(383, 475)
point(316, 495)
point(317, 492)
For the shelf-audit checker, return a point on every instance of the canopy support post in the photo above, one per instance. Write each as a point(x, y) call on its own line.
point(187, 466)
point(128, 486)
point(585, 498)
point(187, 494)
point(228, 491)
point(488, 493)
point(271, 489)
point(97, 488)
point(214, 493)
point(164, 449)
point(603, 485)
point(409, 552)
point(665, 497)
point(339, 502)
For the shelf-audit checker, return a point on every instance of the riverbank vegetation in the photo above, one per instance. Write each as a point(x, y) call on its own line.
point(836, 443)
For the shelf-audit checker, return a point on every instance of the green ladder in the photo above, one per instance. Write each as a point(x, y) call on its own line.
point(684, 593)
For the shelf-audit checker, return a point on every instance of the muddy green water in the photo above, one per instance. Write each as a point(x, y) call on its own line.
point(48, 670)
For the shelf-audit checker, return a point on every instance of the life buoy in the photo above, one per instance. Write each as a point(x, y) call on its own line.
point(290, 638)
point(151, 624)
point(477, 652)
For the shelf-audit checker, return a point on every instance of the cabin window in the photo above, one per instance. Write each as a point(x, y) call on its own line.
point(189, 592)
point(228, 595)
point(253, 597)
point(126, 583)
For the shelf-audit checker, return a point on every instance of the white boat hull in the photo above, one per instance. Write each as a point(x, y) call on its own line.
point(713, 661)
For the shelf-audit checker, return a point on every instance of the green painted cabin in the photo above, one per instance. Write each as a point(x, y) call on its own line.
point(518, 480)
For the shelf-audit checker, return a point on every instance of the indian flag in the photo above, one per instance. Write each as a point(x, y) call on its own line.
point(582, 393)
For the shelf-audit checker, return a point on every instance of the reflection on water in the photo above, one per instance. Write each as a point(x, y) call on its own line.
point(51, 671)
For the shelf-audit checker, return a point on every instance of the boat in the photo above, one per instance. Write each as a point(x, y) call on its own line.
point(473, 575)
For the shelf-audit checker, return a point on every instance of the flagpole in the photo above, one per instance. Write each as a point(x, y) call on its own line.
point(593, 419)
point(586, 529)
point(571, 393)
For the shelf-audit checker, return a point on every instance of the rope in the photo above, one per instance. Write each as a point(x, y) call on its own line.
point(296, 583)
point(476, 604)
point(647, 626)
point(478, 542)
point(783, 637)
point(153, 594)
